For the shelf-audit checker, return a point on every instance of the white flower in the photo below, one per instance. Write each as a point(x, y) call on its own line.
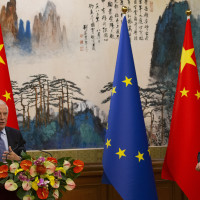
point(50, 167)
point(57, 184)
point(56, 194)
point(14, 167)
point(10, 185)
point(66, 165)
point(70, 184)
point(26, 185)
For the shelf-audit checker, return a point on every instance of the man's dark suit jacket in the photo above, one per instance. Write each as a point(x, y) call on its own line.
point(198, 157)
point(15, 140)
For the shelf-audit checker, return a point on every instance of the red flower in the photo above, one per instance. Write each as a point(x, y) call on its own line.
point(53, 160)
point(79, 166)
point(41, 169)
point(42, 193)
point(25, 164)
point(3, 171)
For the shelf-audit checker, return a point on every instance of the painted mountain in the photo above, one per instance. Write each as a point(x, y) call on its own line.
point(46, 29)
point(8, 21)
point(166, 51)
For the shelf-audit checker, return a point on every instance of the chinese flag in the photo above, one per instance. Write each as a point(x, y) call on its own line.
point(5, 86)
point(184, 138)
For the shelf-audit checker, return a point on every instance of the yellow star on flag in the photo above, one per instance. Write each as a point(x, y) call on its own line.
point(1, 59)
point(184, 92)
point(121, 153)
point(198, 95)
point(114, 90)
point(127, 81)
point(140, 156)
point(108, 143)
point(149, 151)
point(186, 57)
point(7, 96)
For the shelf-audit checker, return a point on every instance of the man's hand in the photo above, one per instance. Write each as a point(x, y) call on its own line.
point(10, 155)
point(198, 166)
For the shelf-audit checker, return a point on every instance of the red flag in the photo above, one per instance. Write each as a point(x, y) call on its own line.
point(5, 86)
point(184, 138)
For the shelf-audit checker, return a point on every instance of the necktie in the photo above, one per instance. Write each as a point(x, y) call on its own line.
point(2, 146)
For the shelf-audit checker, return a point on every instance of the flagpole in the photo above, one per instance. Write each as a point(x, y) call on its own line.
point(188, 13)
point(179, 164)
point(126, 160)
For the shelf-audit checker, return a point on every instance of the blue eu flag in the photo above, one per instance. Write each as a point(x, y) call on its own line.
point(126, 159)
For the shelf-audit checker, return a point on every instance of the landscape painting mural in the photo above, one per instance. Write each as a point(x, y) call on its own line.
point(61, 57)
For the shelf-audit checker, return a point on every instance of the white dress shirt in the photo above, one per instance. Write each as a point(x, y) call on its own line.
point(4, 138)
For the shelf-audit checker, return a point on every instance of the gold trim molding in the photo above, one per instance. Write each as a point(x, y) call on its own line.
point(93, 155)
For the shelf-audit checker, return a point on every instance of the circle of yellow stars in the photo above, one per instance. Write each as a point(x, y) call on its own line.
point(121, 152)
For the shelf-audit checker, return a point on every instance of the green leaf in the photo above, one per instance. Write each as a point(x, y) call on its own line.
point(62, 182)
point(64, 177)
point(21, 193)
point(76, 175)
point(25, 156)
point(11, 176)
point(50, 192)
point(3, 180)
point(50, 198)
point(36, 197)
point(9, 162)
point(16, 178)
point(61, 161)
point(62, 188)
point(1, 163)
point(19, 184)
point(60, 194)
point(33, 193)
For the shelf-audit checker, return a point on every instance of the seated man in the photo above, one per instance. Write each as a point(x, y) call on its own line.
point(198, 164)
point(11, 140)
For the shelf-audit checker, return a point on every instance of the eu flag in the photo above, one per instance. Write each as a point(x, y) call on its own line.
point(126, 159)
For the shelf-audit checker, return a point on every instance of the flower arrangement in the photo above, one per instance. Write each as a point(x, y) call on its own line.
point(41, 178)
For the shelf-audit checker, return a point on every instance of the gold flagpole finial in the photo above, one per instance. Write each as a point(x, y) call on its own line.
point(124, 9)
point(188, 12)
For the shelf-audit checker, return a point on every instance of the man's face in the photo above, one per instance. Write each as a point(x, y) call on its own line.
point(3, 116)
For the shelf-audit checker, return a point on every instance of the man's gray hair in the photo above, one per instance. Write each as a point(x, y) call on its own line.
point(3, 103)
